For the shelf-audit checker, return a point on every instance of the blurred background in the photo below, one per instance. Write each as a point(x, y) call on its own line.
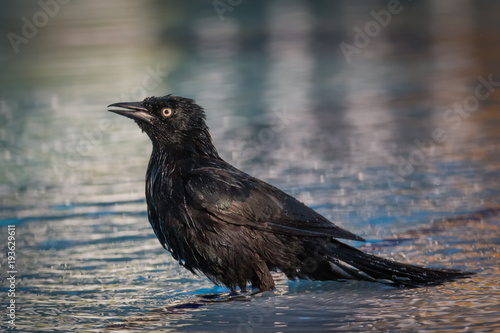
point(382, 115)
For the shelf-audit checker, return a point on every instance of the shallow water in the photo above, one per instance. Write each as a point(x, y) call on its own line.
point(354, 140)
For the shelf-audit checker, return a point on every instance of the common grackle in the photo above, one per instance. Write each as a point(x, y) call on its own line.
point(216, 219)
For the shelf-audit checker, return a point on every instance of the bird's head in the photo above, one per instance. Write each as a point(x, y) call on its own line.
point(173, 123)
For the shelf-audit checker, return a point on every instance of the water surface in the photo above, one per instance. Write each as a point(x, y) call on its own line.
point(373, 141)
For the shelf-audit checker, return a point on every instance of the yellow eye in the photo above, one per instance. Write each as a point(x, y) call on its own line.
point(166, 112)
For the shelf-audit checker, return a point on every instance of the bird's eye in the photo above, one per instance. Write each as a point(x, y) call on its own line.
point(166, 112)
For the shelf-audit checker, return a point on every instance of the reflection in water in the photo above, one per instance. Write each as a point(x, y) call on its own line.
point(288, 84)
point(283, 104)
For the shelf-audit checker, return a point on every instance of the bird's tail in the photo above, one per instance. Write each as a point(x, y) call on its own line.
point(340, 261)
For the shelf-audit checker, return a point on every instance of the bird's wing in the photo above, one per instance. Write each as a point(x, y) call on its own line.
point(231, 196)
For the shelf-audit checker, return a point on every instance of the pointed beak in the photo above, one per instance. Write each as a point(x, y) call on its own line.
point(132, 110)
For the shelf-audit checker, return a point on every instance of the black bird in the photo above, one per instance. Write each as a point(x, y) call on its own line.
point(216, 219)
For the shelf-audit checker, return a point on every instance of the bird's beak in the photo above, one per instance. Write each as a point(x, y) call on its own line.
point(132, 110)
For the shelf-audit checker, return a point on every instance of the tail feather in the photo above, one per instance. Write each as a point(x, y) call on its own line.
point(345, 262)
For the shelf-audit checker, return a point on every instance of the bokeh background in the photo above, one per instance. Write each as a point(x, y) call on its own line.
point(382, 115)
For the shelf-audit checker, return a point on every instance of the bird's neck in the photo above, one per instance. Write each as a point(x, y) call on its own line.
point(164, 162)
point(169, 154)
point(198, 143)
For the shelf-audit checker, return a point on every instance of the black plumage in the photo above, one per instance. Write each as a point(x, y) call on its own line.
point(235, 228)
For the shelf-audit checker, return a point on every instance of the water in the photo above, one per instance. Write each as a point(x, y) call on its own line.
point(370, 144)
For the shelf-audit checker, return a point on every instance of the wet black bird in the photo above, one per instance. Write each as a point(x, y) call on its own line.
point(235, 228)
